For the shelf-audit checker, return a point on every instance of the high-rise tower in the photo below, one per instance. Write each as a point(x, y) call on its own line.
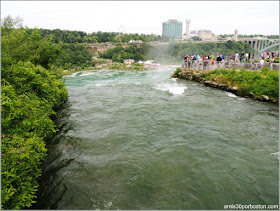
point(235, 37)
point(188, 21)
point(172, 28)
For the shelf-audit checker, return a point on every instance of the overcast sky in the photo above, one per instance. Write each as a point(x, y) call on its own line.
point(221, 17)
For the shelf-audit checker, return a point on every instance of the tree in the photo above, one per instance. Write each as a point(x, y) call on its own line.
point(10, 22)
point(165, 38)
point(120, 57)
point(196, 38)
point(118, 39)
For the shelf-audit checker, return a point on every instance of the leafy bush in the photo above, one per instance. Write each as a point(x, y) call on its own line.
point(73, 55)
point(29, 95)
point(276, 60)
point(176, 73)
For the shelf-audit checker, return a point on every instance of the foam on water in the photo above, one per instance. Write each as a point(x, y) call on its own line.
point(231, 95)
point(87, 74)
point(275, 154)
point(174, 89)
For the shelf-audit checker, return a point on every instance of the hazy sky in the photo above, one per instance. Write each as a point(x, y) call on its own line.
point(221, 17)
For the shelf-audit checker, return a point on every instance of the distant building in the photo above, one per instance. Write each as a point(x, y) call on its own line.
point(188, 21)
point(172, 28)
point(193, 33)
point(206, 35)
point(235, 36)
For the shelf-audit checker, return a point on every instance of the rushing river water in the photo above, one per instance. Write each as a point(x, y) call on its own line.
point(140, 140)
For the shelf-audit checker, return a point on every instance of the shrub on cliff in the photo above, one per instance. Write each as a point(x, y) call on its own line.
point(29, 95)
point(176, 73)
point(265, 82)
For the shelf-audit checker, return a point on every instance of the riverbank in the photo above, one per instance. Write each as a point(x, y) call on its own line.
point(114, 66)
point(262, 86)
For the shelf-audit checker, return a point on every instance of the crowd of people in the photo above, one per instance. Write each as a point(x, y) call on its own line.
point(202, 61)
point(208, 61)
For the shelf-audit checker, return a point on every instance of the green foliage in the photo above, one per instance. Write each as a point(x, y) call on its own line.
point(196, 38)
point(122, 66)
point(176, 73)
point(67, 36)
point(118, 54)
point(9, 22)
point(225, 35)
point(73, 55)
point(28, 45)
point(276, 60)
point(19, 45)
point(265, 82)
point(258, 35)
point(29, 95)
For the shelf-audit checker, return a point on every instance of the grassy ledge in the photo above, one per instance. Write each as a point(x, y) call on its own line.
point(261, 85)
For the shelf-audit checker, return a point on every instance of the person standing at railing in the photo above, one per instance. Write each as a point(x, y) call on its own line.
point(236, 57)
point(199, 63)
point(261, 63)
point(264, 55)
point(271, 61)
point(194, 61)
point(241, 56)
point(205, 62)
point(219, 60)
point(252, 62)
point(246, 56)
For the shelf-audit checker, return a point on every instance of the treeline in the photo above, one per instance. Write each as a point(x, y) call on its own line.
point(250, 36)
point(67, 36)
point(258, 35)
point(26, 44)
point(174, 52)
point(31, 91)
point(119, 54)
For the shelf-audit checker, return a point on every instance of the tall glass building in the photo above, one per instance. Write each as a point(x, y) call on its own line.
point(172, 28)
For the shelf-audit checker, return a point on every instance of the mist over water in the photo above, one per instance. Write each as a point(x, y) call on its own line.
point(140, 140)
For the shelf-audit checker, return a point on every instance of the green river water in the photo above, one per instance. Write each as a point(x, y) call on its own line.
point(140, 140)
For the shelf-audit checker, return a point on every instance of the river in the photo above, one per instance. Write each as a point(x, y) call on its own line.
point(140, 140)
